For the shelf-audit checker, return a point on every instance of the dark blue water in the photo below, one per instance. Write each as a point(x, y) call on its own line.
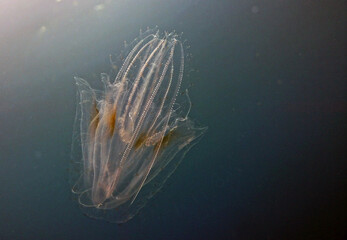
point(268, 79)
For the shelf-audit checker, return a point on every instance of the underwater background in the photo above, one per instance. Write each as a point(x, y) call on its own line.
point(267, 77)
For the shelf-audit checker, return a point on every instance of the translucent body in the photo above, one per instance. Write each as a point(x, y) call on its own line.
point(133, 134)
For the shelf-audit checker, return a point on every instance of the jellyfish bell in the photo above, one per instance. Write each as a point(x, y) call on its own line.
point(134, 133)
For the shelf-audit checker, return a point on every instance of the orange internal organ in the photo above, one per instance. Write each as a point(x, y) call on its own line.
point(167, 139)
point(140, 141)
point(111, 121)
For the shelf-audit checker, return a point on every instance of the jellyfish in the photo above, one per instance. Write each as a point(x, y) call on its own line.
point(133, 134)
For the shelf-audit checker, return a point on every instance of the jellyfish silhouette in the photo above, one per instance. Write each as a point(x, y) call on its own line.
point(133, 134)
